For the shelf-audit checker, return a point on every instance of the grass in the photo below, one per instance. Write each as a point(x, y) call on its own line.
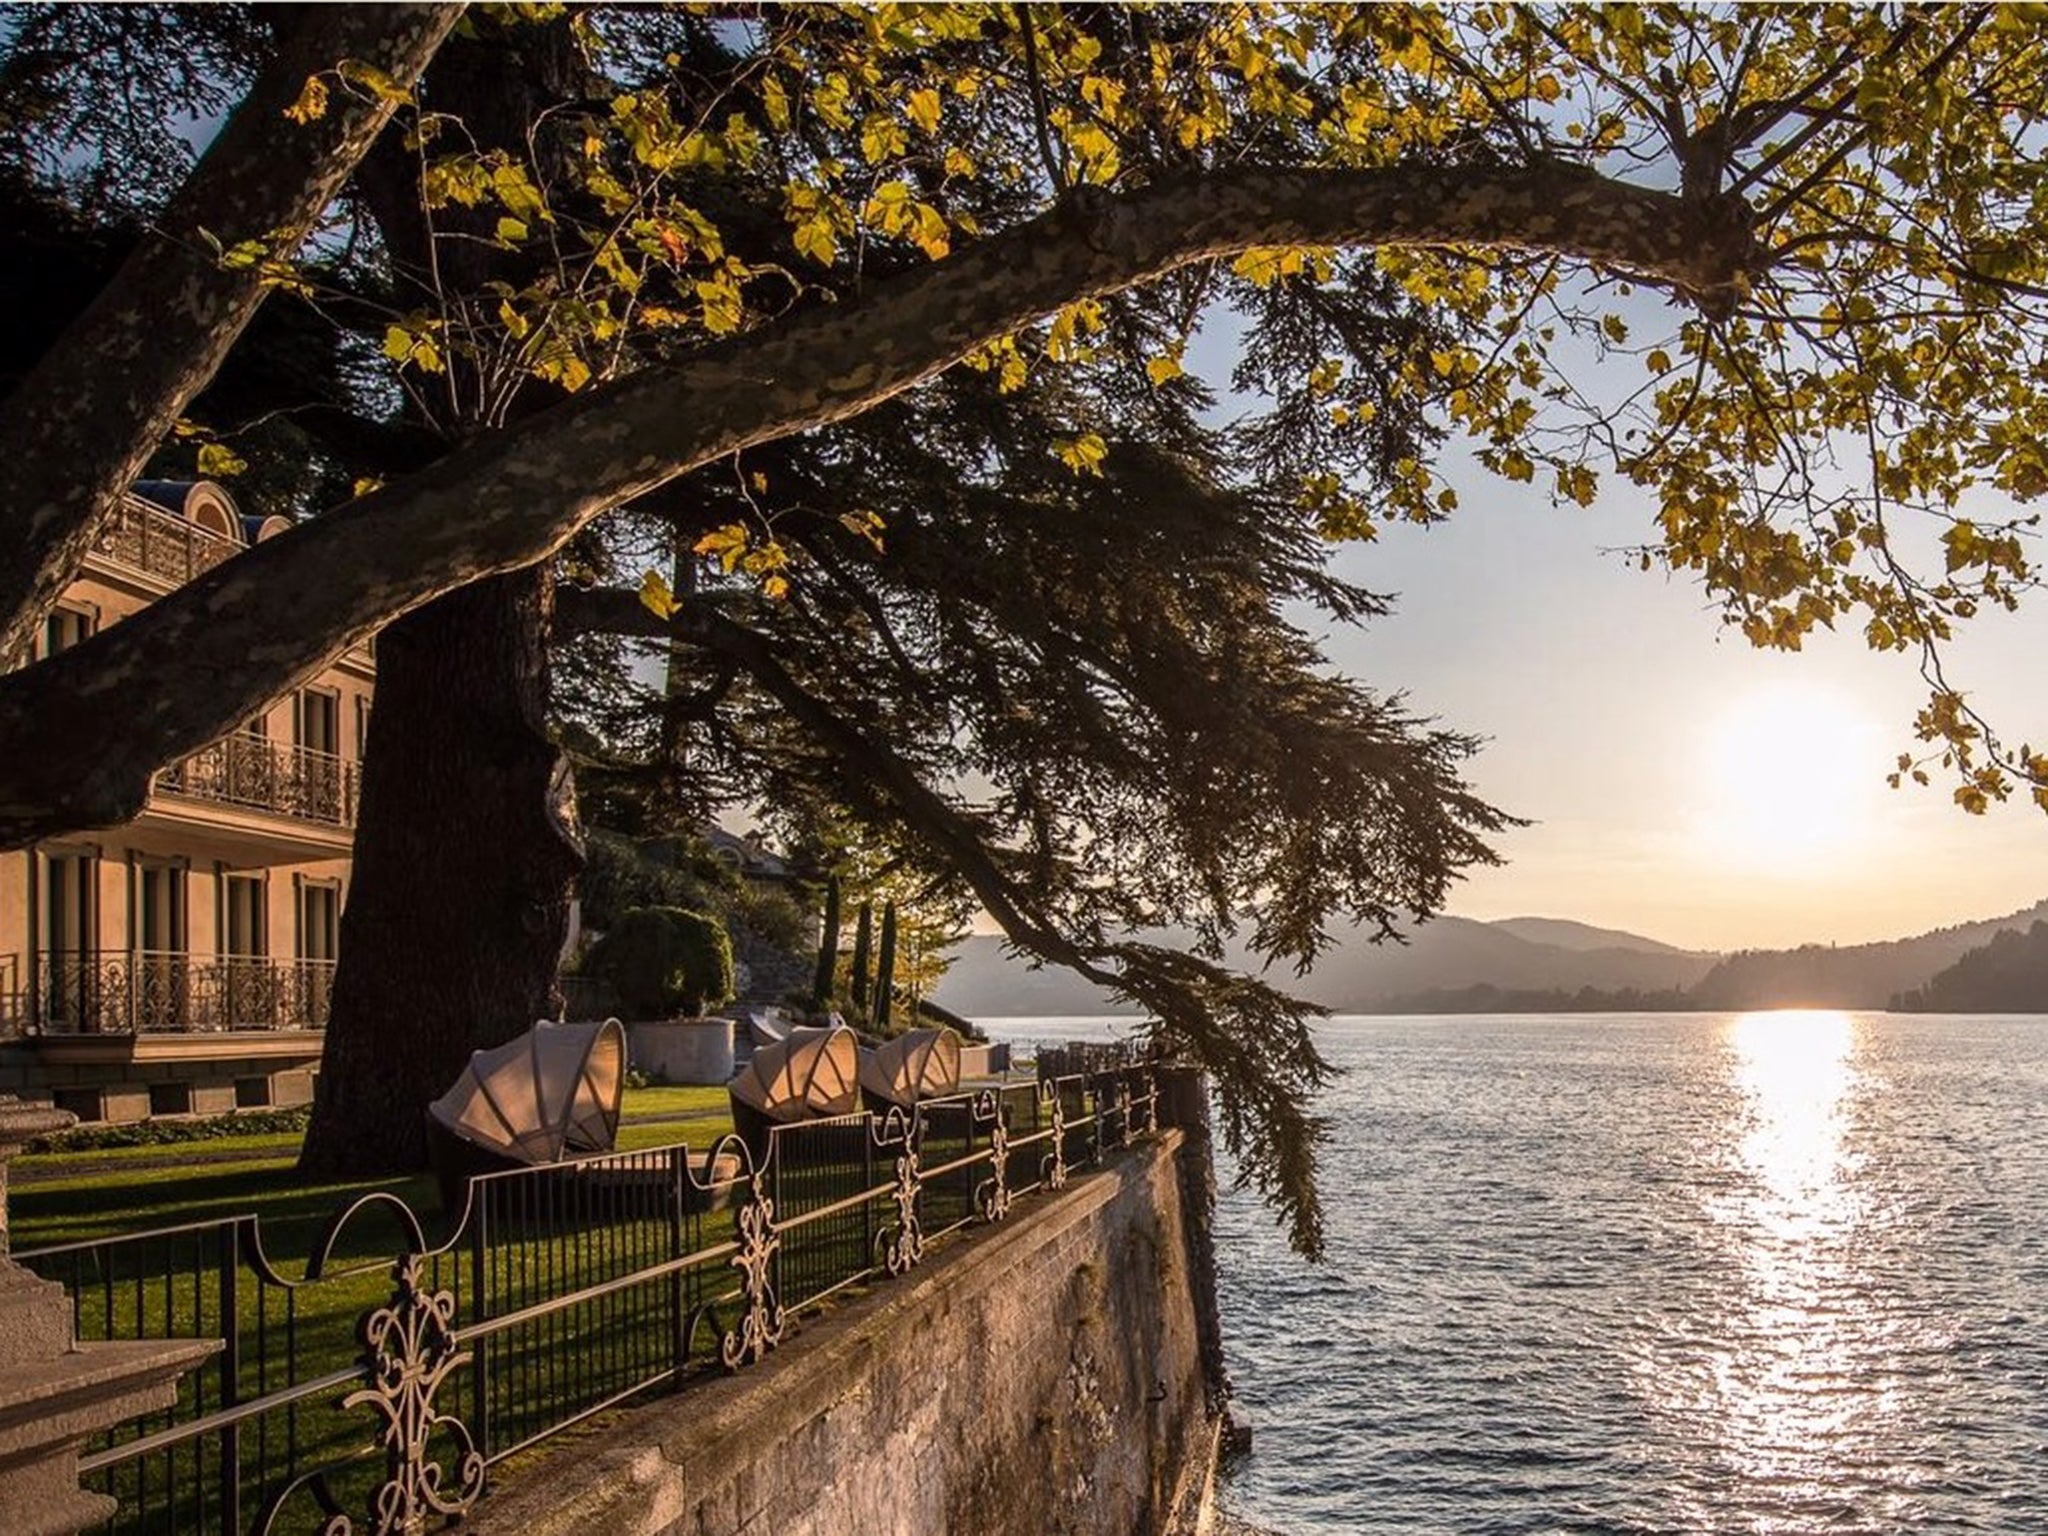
point(538, 1371)
point(62, 1197)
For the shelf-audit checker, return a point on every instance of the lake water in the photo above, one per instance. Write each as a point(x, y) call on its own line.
point(1668, 1273)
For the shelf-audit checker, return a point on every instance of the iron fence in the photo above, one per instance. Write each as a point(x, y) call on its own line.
point(269, 776)
point(126, 992)
point(363, 1391)
point(162, 543)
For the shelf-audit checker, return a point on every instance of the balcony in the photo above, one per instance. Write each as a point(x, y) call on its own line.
point(128, 992)
point(259, 775)
point(162, 544)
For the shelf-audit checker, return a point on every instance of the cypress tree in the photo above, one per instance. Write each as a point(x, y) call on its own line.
point(828, 949)
point(863, 945)
point(885, 968)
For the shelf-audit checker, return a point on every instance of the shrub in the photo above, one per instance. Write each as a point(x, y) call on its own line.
point(665, 960)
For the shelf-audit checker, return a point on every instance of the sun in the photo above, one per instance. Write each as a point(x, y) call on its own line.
point(1790, 776)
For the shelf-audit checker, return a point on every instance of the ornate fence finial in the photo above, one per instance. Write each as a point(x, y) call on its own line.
point(409, 1349)
point(1054, 1164)
point(992, 1195)
point(905, 1245)
point(759, 1326)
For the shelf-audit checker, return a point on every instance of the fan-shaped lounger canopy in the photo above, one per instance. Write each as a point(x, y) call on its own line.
point(919, 1064)
point(807, 1075)
point(553, 1091)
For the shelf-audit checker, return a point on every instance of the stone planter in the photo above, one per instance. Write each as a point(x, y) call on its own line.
point(984, 1060)
point(682, 1050)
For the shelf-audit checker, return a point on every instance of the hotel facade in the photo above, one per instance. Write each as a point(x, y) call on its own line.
point(182, 963)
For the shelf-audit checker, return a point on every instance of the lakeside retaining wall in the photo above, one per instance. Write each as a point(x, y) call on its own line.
point(1041, 1377)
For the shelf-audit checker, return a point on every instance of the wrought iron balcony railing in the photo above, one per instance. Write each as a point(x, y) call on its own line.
point(266, 776)
point(117, 992)
point(163, 544)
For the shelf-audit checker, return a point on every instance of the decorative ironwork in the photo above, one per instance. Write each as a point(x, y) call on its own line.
point(268, 776)
point(759, 1326)
point(992, 1195)
point(1054, 1163)
point(1150, 1100)
point(646, 1257)
point(904, 1247)
point(409, 1349)
point(100, 992)
point(161, 543)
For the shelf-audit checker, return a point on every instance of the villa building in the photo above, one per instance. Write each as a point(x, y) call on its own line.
point(182, 963)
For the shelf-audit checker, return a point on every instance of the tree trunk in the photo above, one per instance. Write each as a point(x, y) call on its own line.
point(458, 907)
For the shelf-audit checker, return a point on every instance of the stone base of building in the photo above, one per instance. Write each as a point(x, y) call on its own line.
point(115, 1079)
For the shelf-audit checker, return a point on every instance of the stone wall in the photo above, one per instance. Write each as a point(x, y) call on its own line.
point(1037, 1378)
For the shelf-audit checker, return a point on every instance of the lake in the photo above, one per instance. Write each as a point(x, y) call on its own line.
point(1779, 1272)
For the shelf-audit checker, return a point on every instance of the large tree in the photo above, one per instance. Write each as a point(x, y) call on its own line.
point(1844, 200)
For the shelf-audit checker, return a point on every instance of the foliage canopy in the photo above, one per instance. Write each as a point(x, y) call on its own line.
point(878, 315)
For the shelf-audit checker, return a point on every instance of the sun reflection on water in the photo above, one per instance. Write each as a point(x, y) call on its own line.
point(1796, 1326)
point(1793, 1072)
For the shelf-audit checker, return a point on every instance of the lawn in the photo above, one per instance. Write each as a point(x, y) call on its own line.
point(61, 1197)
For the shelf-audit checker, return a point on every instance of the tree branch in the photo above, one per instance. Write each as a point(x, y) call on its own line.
point(81, 734)
point(82, 424)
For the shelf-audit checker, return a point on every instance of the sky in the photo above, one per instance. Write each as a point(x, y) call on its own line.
point(1681, 784)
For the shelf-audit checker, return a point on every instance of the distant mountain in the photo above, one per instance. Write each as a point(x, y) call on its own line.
point(1566, 934)
point(1455, 964)
point(1356, 976)
point(984, 982)
point(2008, 975)
point(1851, 975)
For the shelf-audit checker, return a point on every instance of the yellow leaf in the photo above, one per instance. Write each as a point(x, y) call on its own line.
point(656, 596)
point(725, 545)
point(217, 461)
point(1160, 369)
point(924, 109)
point(397, 343)
point(365, 485)
point(722, 306)
point(511, 231)
point(1083, 454)
point(815, 239)
point(374, 80)
point(312, 102)
point(881, 137)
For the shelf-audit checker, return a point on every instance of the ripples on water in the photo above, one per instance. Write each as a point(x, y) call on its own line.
point(1716, 1273)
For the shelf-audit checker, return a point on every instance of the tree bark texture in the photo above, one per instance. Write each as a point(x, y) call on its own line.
point(458, 905)
point(80, 427)
point(182, 672)
point(461, 755)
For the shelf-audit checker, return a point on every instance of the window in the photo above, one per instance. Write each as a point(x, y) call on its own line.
point(159, 908)
point(319, 723)
point(249, 994)
point(319, 921)
point(64, 628)
point(161, 985)
point(70, 910)
point(362, 726)
point(244, 917)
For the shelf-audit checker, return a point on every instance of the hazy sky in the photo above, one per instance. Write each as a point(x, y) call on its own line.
point(1682, 784)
